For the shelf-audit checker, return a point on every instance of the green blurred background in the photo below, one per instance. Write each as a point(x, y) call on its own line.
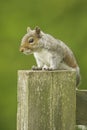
point(64, 19)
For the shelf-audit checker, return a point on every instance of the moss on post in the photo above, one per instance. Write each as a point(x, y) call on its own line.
point(46, 100)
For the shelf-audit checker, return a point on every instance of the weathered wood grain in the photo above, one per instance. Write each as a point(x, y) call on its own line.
point(46, 100)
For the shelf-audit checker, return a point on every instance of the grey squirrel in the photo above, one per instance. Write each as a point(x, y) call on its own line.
point(50, 53)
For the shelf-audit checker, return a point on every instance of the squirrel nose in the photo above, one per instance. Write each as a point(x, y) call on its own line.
point(21, 49)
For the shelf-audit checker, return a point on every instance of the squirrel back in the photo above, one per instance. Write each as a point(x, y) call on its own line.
point(50, 53)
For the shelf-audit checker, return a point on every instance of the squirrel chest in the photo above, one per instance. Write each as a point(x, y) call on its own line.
point(43, 56)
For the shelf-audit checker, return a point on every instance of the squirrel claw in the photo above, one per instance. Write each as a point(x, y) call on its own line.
point(48, 69)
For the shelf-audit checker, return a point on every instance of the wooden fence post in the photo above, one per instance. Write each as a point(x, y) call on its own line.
point(81, 107)
point(46, 100)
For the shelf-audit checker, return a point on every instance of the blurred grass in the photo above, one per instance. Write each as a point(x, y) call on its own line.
point(66, 20)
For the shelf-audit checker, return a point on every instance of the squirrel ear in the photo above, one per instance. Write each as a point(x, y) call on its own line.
point(28, 29)
point(37, 30)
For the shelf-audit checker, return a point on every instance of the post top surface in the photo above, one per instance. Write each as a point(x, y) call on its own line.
point(46, 71)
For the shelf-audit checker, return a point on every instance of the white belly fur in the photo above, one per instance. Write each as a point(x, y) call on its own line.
point(44, 56)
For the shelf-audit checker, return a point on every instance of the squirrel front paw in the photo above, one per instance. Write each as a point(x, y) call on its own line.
point(47, 68)
point(42, 68)
point(36, 68)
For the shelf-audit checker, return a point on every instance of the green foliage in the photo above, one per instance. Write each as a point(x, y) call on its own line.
point(66, 20)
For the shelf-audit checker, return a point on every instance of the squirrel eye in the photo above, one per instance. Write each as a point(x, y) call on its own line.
point(31, 40)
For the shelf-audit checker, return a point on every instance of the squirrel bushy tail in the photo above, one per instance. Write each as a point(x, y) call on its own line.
point(78, 77)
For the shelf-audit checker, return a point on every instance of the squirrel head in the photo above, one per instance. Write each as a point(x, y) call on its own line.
point(30, 41)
